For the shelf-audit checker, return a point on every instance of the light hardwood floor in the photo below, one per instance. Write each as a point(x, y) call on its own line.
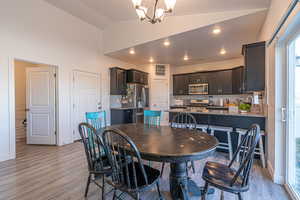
point(44, 173)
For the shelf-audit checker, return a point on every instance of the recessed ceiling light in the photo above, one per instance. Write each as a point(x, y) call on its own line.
point(185, 57)
point(216, 31)
point(167, 43)
point(223, 52)
point(151, 60)
point(132, 51)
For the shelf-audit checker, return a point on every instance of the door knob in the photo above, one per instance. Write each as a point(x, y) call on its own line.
point(27, 109)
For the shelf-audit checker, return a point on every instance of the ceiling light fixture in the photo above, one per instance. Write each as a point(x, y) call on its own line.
point(151, 60)
point(158, 13)
point(223, 52)
point(185, 58)
point(132, 51)
point(167, 43)
point(216, 31)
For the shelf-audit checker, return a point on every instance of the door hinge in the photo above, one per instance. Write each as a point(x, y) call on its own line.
point(54, 132)
point(73, 132)
point(54, 75)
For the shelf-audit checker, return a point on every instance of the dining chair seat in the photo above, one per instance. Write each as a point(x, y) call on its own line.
point(151, 173)
point(221, 175)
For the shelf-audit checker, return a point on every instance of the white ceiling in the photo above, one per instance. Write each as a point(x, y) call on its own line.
point(103, 12)
point(200, 45)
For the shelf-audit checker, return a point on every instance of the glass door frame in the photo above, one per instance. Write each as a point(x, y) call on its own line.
point(285, 56)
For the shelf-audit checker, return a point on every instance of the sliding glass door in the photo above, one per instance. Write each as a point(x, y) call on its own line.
point(293, 116)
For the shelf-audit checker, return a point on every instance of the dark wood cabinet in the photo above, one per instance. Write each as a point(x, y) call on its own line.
point(200, 77)
point(180, 84)
point(122, 116)
point(254, 71)
point(135, 76)
point(238, 80)
point(117, 81)
point(220, 82)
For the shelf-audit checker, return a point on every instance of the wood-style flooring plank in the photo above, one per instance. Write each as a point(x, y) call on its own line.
point(60, 173)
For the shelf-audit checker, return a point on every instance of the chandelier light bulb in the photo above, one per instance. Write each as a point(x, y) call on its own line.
point(185, 58)
point(141, 12)
point(151, 60)
point(137, 3)
point(170, 4)
point(158, 13)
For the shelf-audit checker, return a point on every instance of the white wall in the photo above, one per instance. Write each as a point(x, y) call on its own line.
point(33, 30)
point(225, 64)
point(275, 132)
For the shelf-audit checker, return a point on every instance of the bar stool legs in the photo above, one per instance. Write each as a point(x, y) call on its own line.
point(227, 145)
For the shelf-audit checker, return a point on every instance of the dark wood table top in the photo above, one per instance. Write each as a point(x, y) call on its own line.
point(166, 144)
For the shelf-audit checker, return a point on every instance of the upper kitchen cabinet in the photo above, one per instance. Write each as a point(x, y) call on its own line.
point(237, 80)
point(198, 78)
point(255, 55)
point(117, 81)
point(220, 82)
point(180, 84)
point(136, 76)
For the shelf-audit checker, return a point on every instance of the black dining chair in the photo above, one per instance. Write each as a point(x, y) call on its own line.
point(98, 164)
point(226, 177)
point(187, 121)
point(129, 175)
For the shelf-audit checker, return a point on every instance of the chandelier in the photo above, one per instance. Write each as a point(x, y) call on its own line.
point(158, 13)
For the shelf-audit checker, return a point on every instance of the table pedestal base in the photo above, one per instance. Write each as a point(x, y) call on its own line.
point(181, 187)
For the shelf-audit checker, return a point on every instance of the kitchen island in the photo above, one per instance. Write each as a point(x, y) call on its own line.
point(225, 118)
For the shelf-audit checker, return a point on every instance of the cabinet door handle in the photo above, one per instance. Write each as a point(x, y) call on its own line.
point(283, 114)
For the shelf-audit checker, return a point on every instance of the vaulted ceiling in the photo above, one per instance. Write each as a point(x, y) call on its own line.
point(188, 28)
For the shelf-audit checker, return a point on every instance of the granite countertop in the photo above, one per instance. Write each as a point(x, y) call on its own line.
point(216, 112)
point(124, 108)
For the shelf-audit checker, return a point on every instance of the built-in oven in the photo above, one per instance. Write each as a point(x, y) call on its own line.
point(199, 89)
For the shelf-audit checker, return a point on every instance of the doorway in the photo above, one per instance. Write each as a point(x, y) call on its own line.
point(35, 104)
point(86, 97)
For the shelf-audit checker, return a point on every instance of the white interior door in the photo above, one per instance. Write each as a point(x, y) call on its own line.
point(159, 97)
point(86, 97)
point(40, 105)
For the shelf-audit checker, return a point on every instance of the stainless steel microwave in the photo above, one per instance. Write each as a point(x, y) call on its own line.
point(200, 89)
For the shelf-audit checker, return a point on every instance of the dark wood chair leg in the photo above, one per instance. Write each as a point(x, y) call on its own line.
point(162, 169)
point(115, 194)
point(160, 197)
point(204, 191)
point(193, 167)
point(222, 195)
point(240, 196)
point(87, 186)
point(103, 188)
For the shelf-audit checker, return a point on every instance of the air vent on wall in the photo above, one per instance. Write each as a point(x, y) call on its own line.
point(160, 70)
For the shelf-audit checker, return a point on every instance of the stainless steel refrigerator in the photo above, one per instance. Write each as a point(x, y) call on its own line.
point(138, 96)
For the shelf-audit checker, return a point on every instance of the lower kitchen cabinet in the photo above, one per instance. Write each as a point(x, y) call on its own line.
point(122, 116)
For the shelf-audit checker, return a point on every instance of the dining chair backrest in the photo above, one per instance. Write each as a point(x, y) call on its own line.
point(247, 151)
point(184, 120)
point(96, 119)
point(152, 117)
point(125, 159)
point(94, 148)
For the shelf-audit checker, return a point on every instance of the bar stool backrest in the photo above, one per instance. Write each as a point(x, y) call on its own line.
point(184, 120)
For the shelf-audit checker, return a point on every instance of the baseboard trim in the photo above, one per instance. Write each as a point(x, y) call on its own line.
point(278, 179)
point(291, 192)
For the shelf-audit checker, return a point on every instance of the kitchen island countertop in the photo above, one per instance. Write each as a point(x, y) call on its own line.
point(216, 112)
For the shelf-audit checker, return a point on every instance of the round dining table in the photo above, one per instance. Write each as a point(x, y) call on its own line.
point(174, 146)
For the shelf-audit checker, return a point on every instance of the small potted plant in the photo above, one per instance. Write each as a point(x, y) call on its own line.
point(244, 107)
